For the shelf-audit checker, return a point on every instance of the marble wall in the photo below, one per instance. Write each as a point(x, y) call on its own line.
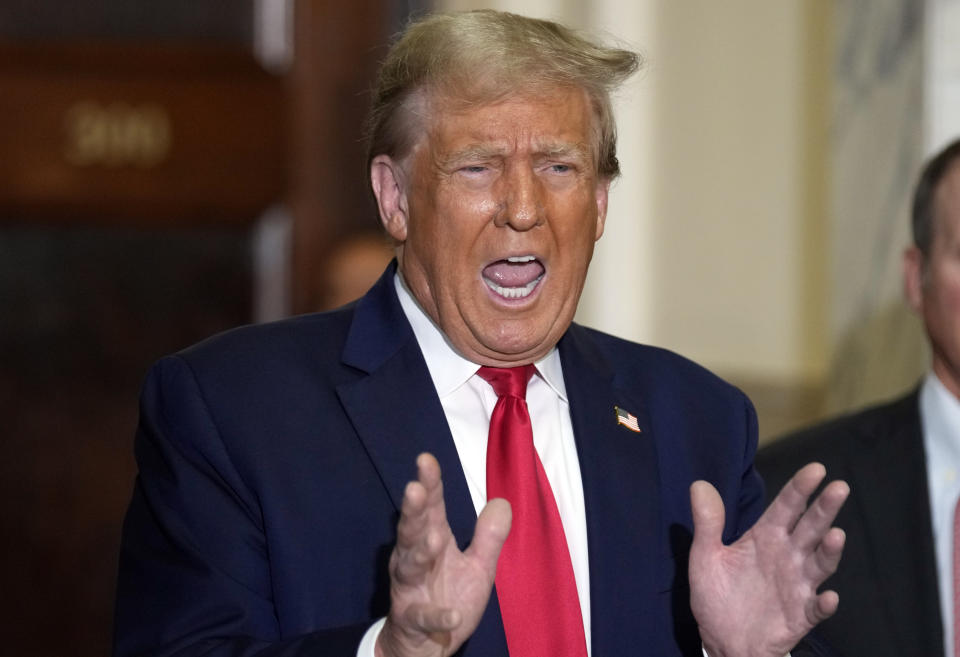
point(942, 73)
point(876, 148)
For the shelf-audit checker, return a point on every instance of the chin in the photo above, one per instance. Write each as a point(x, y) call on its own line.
point(510, 348)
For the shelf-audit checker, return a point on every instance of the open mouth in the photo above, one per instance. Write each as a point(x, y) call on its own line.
point(515, 277)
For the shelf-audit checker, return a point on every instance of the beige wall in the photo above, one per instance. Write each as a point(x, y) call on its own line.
point(733, 212)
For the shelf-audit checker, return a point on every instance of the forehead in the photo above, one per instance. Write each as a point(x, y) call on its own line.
point(556, 118)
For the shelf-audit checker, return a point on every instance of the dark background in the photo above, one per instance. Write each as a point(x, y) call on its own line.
point(90, 295)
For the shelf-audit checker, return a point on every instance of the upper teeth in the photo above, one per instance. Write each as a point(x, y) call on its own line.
point(526, 258)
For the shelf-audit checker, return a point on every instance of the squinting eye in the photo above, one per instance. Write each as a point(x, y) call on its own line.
point(561, 168)
point(474, 169)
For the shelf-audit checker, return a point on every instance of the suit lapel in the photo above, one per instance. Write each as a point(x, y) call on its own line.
point(621, 497)
point(395, 408)
point(898, 526)
point(397, 415)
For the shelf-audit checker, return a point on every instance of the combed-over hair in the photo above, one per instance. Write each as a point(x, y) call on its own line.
point(483, 56)
point(924, 210)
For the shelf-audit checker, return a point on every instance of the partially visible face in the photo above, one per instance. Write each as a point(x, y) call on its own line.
point(496, 213)
point(349, 270)
point(933, 286)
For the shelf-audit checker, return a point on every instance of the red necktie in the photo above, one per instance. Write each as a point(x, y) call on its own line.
point(535, 585)
point(956, 580)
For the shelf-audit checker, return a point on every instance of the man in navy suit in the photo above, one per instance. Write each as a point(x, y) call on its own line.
point(274, 512)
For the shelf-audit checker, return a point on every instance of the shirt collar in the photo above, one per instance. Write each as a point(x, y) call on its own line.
point(940, 413)
point(448, 369)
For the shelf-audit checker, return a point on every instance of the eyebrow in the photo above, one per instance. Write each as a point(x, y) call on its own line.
point(563, 149)
point(470, 153)
point(487, 151)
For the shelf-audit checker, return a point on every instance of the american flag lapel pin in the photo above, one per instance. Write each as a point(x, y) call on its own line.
point(629, 420)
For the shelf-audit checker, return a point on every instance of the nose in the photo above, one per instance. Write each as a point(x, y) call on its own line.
point(522, 207)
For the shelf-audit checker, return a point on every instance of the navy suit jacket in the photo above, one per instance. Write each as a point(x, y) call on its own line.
point(273, 458)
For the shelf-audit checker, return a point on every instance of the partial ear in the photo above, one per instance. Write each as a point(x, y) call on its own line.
point(386, 178)
point(913, 278)
point(602, 194)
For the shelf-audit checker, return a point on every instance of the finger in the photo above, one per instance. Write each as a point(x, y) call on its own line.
point(413, 565)
point(423, 526)
point(413, 517)
point(422, 502)
point(791, 501)
point(428, 474)
point(493, 526)
point(817, 519)
point(431, 619)
point(823, 607)
point(708, 516)
point(826, 557)
point(428, 471)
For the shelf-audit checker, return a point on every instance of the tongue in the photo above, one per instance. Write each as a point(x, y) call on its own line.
point(512, 274)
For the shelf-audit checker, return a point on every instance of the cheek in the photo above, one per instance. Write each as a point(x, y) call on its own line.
point(950, 307)
point(580, 233)
point(448, 251)
point(941, 297)
point(459, 216)
point(949, 292)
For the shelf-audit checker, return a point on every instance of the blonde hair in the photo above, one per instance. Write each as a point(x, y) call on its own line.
point(482, 56)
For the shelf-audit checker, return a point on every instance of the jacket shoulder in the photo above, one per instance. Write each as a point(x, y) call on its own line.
point(835, 441)
point(653, 368)
point(315, 334)
point(246, 362)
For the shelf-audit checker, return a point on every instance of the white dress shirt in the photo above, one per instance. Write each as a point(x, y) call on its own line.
point(940, 419)
point(468, 403)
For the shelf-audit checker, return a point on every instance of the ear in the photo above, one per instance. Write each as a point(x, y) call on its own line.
point(602, 194)
point(386, 178)
point(913, 278)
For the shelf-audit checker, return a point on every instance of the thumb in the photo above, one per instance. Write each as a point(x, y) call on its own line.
point(493, 526)
point(708, 516)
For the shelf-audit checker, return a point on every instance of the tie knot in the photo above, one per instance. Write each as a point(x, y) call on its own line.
point(508, 381)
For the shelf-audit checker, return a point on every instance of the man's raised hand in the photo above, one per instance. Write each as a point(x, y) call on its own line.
point(437, 592)
point(758, 596)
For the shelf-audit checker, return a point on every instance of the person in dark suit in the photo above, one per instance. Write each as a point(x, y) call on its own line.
point(274, 512)
point(901, 459)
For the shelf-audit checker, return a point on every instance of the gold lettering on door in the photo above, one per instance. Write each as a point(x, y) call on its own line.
point(117, 134)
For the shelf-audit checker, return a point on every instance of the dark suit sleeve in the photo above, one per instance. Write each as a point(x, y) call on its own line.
point(751, 498)
point(194, 575)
